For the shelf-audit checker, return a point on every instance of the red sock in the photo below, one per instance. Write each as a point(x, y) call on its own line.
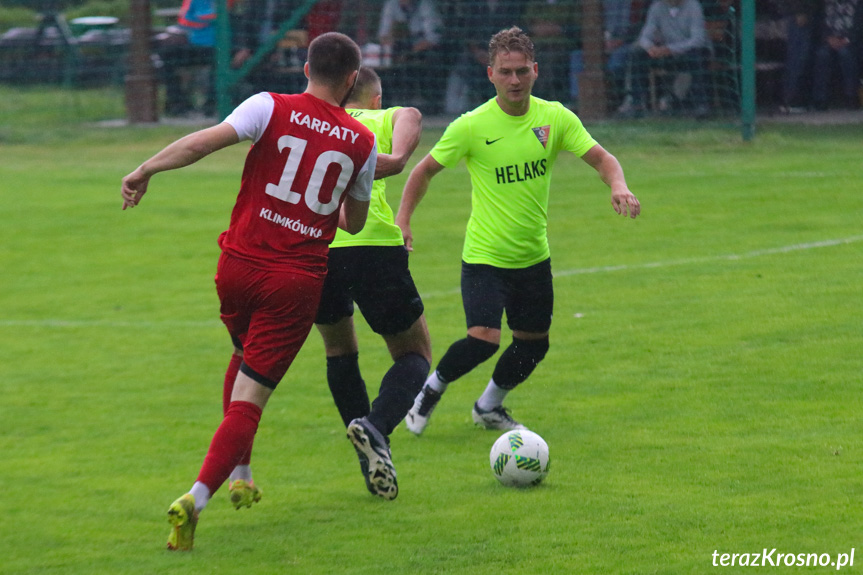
point(232, 440)
point(228, 390)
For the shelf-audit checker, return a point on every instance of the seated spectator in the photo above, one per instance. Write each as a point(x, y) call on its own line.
point(479, 21)
point(257, 23)
point(622, 21)
point(841, 30)
point(674, 38)
point(410, 30)
point(193, 45)
point(555, 27)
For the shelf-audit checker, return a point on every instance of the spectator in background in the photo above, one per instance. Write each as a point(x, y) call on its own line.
point(359, 19)
point(194, 46)
point(622, 21)
point(674, 38)
point(555, 27)
point(478, 21)
point(619, 35)
point(840, 40)
point(323, 17)
point(800, 17)
point(410, 30)
point(257, 22)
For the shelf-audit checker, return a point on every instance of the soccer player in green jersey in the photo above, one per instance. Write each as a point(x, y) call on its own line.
point(371, 269)
point(509, 145)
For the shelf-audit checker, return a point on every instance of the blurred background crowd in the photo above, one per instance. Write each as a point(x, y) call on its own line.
point(658, 56)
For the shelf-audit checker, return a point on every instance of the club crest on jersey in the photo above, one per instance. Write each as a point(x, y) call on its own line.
point(542, 134)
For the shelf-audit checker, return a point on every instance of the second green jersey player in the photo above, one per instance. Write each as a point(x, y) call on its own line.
point(380, 228)
point(370, 268)
point(509, 145)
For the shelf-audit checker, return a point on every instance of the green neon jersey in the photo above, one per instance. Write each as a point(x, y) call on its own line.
point(380, 228)
point(510, 159)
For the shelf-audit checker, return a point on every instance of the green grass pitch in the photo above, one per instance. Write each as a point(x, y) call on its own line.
point(701, 394)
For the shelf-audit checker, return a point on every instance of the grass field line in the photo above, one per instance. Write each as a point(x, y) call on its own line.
point(717, 258)
point(686, 261)
point(66, 323)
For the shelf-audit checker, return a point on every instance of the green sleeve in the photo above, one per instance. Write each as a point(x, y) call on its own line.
point(576, 139)
point(453, 145)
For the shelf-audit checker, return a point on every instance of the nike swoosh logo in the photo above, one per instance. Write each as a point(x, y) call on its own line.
point(488, 143)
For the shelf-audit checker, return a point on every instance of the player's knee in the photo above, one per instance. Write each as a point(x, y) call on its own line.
point(518, 361)
point(414, 340)
point(339, 339)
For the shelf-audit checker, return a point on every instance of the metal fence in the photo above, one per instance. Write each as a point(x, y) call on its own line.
point(430, 54)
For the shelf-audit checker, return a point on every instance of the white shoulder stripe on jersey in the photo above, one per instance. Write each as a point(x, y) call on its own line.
point(251, 118)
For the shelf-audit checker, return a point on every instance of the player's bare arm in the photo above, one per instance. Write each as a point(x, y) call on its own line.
point(606, 165)
point(415, 189)
point(353, 214)
point(185, 151)
point(407, 129)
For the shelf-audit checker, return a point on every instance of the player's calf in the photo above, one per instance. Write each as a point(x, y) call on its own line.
point(463, 356)
point(518, 361)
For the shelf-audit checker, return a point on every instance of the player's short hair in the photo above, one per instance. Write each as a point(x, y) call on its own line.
point(368, 85)
point(332, 57)
point(510, 40)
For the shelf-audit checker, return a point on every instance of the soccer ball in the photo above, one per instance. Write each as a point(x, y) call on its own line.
point(519, 458)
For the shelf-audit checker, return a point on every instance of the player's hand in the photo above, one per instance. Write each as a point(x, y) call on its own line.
point(625, 203)
point(133, 189)
point(407, 235)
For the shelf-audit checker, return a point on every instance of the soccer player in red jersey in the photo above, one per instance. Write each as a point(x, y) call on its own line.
point(309, 171)
point(369, 269)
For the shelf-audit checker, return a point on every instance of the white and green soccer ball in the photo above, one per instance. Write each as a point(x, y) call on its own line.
point(519, 458)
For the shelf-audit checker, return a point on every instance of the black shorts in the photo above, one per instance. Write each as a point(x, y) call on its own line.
point(377, 278)
point(525, 294)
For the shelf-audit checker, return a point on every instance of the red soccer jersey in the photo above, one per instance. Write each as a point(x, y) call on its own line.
point(308, 155)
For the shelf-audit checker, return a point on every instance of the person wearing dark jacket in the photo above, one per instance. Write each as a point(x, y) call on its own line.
point(840, 40)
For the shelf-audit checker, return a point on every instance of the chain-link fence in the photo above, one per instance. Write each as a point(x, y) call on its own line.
point(601, 58)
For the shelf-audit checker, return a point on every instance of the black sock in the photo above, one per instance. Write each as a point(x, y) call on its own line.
point(518, 361)
point(463, 356)
point(347, 386)
point(399, 387)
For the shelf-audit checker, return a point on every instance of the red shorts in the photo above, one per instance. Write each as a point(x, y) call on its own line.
point(269, 313)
